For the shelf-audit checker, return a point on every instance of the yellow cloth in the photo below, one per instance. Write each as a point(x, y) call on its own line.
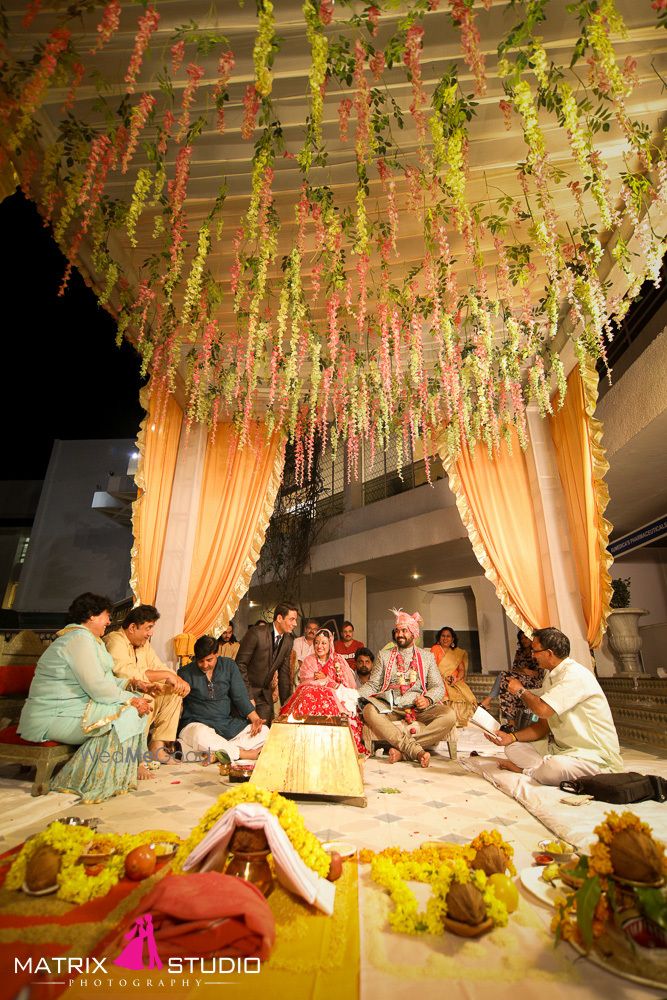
point(582, 465)
point(238, 492)
point(495, 503)
point(157, 443)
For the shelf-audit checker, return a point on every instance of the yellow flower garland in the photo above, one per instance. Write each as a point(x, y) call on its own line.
point(406, 917)
point(74, 884)
point(303, 841)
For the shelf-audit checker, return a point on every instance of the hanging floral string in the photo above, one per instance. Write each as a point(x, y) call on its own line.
point(413, 297)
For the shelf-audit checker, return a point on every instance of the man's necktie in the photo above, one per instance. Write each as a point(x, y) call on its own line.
point(276, 642)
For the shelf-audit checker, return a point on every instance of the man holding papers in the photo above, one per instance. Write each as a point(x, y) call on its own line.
point(574, 734)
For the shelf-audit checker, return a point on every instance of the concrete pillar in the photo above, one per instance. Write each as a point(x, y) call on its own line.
point(354, 604)
point(172, 591)
point(493, 646)
point(563, 597)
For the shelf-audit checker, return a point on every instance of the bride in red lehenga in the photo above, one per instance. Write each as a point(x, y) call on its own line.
point(327, 687)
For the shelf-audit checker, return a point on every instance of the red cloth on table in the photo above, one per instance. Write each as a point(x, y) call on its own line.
point(207, 913)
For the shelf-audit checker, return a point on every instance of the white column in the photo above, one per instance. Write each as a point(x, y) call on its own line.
point(354, 604)
point(563, 597)
point(172, 590)
point(493, 648)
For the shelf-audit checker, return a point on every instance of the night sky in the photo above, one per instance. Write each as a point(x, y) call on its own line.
point(62, 374)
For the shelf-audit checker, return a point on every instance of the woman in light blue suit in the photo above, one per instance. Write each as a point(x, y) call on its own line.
point(76, 698)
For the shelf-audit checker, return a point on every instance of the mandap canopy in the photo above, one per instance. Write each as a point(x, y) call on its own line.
point(356, 220)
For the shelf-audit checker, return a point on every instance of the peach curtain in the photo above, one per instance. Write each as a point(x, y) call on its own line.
point(157, 444)
point(238, 493)
point(582, 465)
point(495, 503)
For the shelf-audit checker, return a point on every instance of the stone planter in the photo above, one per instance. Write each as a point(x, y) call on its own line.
point(624, 638)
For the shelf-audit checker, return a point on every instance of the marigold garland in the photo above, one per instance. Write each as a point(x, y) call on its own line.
point(74, 883)
point(305, 843)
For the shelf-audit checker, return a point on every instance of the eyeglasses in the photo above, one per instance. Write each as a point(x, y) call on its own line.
point(539, 650)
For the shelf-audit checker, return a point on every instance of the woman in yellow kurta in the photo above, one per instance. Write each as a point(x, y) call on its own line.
point(453, 665)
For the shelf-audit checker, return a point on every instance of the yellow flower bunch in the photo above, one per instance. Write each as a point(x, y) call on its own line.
point(392, 874)
point(433, 854)
point(74, 883)
point(493, 838)
point(305, 843)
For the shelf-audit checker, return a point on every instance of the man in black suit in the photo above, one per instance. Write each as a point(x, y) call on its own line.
point(264, 650)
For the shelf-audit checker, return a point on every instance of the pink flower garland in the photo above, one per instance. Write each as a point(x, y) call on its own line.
point(226, 64)
point(195, 73)
point(464, 17)
point(251, 107)
point(138, 119)
point(147, 25)
point(78, 70)
point(31, 13)
point(108, 26)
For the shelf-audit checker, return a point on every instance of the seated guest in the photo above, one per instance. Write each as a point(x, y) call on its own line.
point(207, 723)
point(76, 698)
point(363, 664)
point(133, 656)
point(406, 687)
point(572, 712)
point(453, 665)
point(526, 670)
point(327, 687)
point(228, 644)
point(347, 645)
point(303, 647)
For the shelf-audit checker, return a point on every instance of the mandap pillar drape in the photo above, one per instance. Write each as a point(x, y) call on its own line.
point(556, 554)
point(172, 591)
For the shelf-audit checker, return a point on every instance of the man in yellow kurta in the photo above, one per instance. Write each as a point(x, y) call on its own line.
point(133, 656)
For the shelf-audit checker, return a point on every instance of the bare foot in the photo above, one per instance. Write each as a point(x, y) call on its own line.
point(248, 754)
point(508, 765)
point(143, 774)
point(394, 755)
point(424, 759)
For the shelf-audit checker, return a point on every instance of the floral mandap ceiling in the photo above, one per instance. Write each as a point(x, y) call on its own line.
point(352, 220)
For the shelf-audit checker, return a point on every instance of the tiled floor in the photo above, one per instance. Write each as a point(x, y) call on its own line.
point(406, 805)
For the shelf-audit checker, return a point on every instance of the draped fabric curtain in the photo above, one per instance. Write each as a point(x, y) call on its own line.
point(238, 493)
point(495, 503)
point(157, 444)
point(582, 465)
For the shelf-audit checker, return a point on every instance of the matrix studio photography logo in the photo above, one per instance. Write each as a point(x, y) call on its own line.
point(140, 954)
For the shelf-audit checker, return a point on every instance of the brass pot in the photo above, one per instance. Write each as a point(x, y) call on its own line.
point(254, 867)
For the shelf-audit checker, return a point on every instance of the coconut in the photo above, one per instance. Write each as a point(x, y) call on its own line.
point(634, 856)
point(465, 903)
point(42, 868)
point(247, 841)
point(491, 860)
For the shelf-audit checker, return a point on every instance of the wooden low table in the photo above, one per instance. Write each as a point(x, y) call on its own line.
point(315, 757)
point(42, 758)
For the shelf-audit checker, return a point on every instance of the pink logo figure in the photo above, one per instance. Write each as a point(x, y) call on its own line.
point(132, 955)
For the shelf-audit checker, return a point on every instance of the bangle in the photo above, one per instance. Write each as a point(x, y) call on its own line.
point(514, 738)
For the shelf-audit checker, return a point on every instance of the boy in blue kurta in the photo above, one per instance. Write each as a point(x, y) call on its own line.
point(207, 723)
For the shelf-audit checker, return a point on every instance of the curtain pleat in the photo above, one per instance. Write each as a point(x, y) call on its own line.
point(238, 493)
point(495, 503)
point(582, 465)
point(157, 444)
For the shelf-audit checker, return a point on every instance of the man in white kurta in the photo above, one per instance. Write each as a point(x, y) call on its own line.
point(133, 656)
point(574, 734)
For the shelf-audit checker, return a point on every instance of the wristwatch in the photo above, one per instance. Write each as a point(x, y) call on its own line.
point(520, 693)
